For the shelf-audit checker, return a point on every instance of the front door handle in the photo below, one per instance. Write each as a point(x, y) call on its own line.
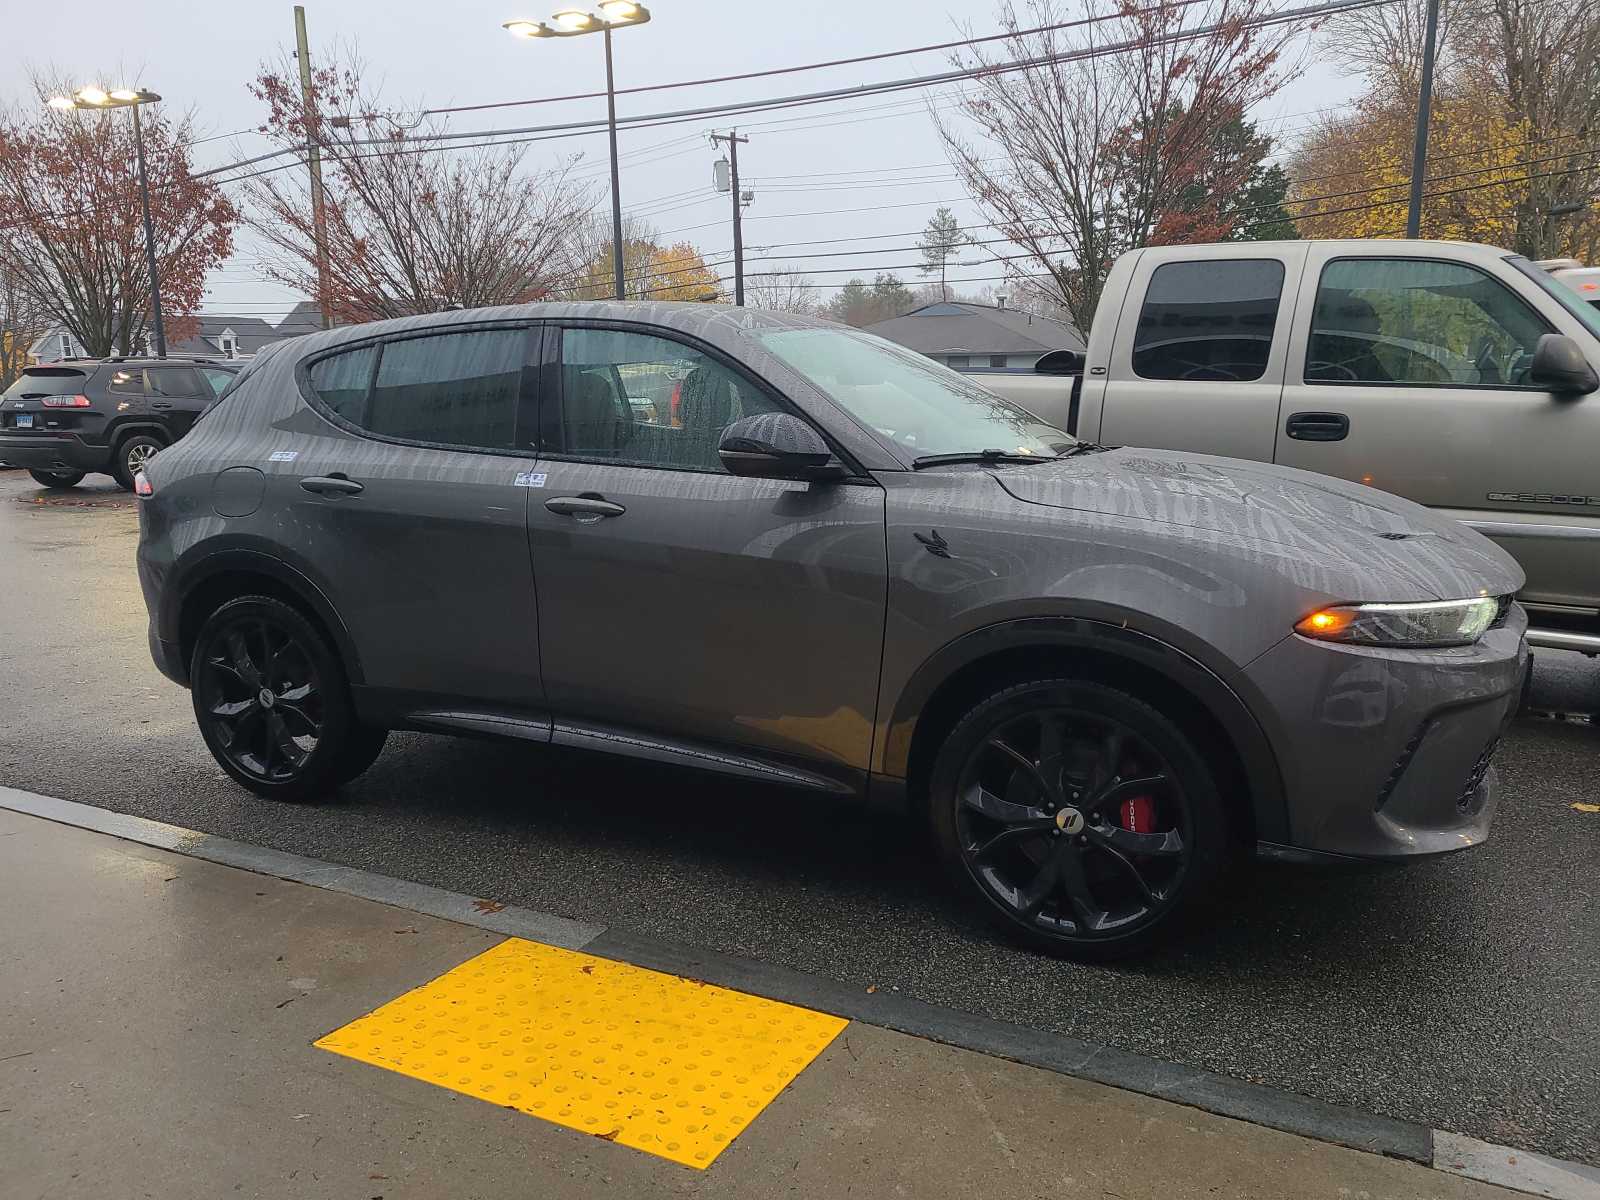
point(1318, 426)
point(331, 485)
point(590, 506)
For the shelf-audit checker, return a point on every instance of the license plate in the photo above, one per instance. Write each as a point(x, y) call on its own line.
point(24, 420)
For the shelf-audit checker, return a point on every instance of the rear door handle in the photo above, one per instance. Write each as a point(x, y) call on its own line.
point(160, 404)
point(590, 506)
point(331, 485)
point(1318, 426)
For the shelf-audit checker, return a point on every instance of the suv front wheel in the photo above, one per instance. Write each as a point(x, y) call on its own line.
point(1084, 820)
point(132, 454)
point(273, 703)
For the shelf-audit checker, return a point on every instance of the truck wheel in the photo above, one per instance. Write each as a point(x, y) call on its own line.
point(131, 455)
point(57, 479)
point(1083, 820)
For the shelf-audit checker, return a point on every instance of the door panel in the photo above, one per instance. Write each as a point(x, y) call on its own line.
point(1422, 372)
point(424, 552)
point(178, 395)
point(1198, 359)
point(716, 608)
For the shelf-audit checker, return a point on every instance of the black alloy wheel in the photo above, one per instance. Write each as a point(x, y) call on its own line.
point(273, 703)
point(1083, 817)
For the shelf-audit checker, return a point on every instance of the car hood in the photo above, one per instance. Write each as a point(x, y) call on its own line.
point(1342, 527)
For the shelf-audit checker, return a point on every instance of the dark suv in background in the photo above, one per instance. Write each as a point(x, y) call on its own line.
point(64, 420)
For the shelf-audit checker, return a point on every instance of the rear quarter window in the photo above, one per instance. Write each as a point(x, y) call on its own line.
point(1208, 320)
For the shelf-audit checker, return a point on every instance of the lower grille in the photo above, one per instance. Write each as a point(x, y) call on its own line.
point(1469, 791)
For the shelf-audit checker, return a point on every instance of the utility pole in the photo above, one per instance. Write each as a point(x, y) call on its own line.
point(733, 140)
point(319, 212)
point(1419, 153)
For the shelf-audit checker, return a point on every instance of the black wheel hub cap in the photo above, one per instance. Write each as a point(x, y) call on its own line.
point(1073, 824)
point(261, 699)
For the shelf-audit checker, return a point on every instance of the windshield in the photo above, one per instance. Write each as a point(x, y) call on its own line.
point(1565, 296)
point(919, 404)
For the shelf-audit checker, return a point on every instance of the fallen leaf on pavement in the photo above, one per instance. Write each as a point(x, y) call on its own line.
point(488, 906)
point(1588, 808)
point(872, 988)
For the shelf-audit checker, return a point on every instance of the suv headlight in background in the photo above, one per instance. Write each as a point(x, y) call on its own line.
point(1419, 625)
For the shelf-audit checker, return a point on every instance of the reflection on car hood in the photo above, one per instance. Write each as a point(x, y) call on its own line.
point(1330, 520)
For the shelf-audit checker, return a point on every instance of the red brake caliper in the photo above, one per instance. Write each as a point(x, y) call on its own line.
point(1137, 815)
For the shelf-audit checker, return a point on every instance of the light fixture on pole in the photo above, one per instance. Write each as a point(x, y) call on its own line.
point(98, 98)
point(570, 22)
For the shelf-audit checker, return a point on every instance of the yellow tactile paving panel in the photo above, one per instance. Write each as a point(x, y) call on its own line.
point(663, 1064)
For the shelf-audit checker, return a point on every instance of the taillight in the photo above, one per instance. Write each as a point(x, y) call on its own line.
point(65, 401)
point(141, 485)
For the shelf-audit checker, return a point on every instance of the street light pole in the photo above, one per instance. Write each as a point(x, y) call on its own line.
point(616, 177)
point(93, 97)
point(149, 237)
point(571, 22)
point(1419, 152)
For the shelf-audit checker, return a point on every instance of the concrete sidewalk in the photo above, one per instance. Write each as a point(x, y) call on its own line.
point(158, 1021)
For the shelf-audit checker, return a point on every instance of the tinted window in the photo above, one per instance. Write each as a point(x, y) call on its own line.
point(126, 380)
point(341, 382)
point(954, 361)
point(1208, 320)
point(997, 360)
point(459, 389)
point(47, 382)
point(636, 398)
point(175, 381)
point(1412, 321)
point(217, 378)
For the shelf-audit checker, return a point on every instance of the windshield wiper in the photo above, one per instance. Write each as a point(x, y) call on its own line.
point(979, 456)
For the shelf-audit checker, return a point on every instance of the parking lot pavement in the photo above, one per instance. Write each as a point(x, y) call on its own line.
point(173, 1027)
point(1459, 993)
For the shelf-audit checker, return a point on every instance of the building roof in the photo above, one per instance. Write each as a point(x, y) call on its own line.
point(957, 327)
point(304, 317)
point(251, 334)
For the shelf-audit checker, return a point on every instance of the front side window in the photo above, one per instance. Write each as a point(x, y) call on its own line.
point(217, 378)
point(638, 398)
point(1208, 321)
point(909, 398)
point(458, 389)
point(342, 381)
point(1417, 322)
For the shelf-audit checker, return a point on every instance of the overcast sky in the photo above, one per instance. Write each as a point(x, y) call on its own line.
point(835, 171)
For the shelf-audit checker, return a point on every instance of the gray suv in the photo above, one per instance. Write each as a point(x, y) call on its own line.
point(822, 561)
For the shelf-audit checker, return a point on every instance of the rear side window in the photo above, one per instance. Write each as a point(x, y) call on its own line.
point(1209, 320)
point(459, 389)
point(47, 382)
point(126, 381)
point(341, 381)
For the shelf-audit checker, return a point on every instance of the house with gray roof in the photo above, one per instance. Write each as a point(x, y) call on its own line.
point(979, 337)
point(219, 336)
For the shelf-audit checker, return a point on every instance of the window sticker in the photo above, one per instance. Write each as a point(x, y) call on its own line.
point(283, 456)
point(530, 479)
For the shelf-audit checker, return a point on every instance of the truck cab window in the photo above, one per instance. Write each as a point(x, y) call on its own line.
point(1418, 322)
point(1208, 320)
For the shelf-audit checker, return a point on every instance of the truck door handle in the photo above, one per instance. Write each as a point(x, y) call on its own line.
point(1318, 426)
point(331, 485)
point(589, 506)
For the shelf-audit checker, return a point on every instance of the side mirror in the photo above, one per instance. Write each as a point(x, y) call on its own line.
point(777, 446)
point(1560, 365)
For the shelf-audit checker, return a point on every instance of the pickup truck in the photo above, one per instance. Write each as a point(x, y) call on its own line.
point(1456, 375)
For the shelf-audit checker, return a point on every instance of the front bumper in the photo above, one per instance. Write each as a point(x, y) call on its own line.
point(1388, 753)
point(54, 452)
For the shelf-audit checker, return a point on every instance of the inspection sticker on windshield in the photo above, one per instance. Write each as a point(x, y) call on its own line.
point(530, 478)
point(283, 456)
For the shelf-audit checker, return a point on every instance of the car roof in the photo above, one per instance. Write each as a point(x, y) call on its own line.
point(726, 326)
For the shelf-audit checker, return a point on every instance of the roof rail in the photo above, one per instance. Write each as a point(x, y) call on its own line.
point(204, 358)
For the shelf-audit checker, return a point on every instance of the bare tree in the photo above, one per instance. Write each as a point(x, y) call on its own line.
point(1094, 148)
point(71, 230)
point(413, 225)
point(782, 289)
point(23, 321)
point(1384, 43)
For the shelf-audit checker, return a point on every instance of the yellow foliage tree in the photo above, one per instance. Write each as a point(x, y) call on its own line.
point(651, 272)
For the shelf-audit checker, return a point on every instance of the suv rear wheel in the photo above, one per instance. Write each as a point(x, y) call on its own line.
point(57, 479)
point(273, 703)
point(132, 454)
point(1085, 820)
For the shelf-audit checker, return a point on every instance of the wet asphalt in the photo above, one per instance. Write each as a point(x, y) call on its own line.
point(1462, 993)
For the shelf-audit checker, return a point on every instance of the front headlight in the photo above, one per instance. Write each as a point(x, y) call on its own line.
point(1424, 624)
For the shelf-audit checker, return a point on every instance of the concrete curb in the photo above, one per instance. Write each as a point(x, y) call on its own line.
point(1255, 1103)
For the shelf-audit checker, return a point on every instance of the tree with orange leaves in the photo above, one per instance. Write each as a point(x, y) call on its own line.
point(71, 229)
